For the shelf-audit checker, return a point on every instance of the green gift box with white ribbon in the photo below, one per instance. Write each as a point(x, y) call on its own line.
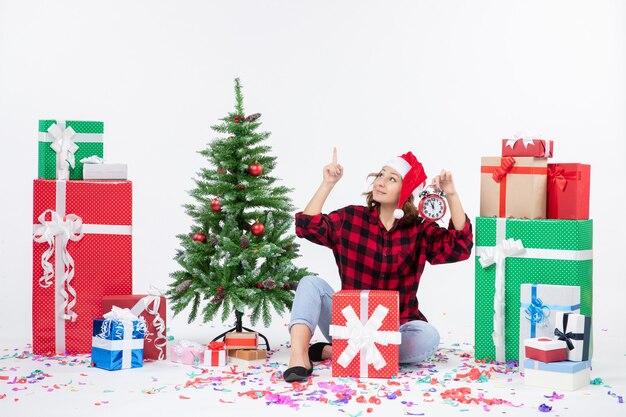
point(511, 252)
point(63, 143)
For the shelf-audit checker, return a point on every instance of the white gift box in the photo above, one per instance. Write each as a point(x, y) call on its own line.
point(215, 357)
point(577, 329)
point(539, 305)
point(105, 171)
point(563, 375)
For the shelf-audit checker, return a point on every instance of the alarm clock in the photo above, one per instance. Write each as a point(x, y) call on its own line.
point(432, 205)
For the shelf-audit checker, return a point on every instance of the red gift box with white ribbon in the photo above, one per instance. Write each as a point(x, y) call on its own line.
point(366, 340)
point(150, 307)
point(82, 252)
point(523, 146)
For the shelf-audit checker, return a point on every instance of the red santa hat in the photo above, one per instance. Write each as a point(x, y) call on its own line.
point(413, 178)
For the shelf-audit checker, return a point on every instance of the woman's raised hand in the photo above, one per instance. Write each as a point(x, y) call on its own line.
point(333, 171)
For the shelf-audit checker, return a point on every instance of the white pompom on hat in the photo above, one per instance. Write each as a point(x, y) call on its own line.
point(413, 178)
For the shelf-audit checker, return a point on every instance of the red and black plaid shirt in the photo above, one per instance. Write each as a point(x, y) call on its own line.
point(374, 258)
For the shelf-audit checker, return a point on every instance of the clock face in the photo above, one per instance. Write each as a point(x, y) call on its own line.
point(433, 207)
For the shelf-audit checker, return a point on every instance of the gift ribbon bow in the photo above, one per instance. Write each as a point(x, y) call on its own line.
point(497, 255)
point(566, 337)
point(537, 312)
point(64, 229)
point(216, 346)
point(569, 336)
point(506, 164)
point(63, 145)
point(557, 178)
point(363, 337)
point(524, 137)
point(123, 333)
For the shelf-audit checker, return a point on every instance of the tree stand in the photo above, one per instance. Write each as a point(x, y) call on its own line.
point(239, 327)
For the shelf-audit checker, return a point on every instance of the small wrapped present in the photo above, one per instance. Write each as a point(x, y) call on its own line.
point(241, 340)
point(366, 340)
point(544, 349)
point(105, 171)
point(575, 331)
point(82, 251)
point(248, 354)
point(215, 355)
point(186, 352)
point(564, 375)
point(527, 146)
point(118, 340)
point(568, 191)
point(513, 187)
point(62, 145)
point(151, 307)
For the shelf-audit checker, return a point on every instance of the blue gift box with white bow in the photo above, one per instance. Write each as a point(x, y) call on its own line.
point(117, 343)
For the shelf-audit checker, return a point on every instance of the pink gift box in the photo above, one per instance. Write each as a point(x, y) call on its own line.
point(186, 352)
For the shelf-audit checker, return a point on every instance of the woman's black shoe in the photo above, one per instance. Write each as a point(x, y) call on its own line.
point(297, 373)
point(316, 349)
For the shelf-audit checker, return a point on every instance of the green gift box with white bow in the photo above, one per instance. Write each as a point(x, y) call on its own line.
point(512, 252)
point(63, 143)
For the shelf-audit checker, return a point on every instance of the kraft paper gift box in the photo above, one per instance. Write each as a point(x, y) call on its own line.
point(241, 340)
point(105, 171)
point(117, 341)
point(215, 354)
point(539, 305)
point(513, 187)
point(152, 309)
point(511, 252)
point(365, 334)
point(248, 354)
point(82, 252)
point(538, 148)
point(575, 330)
point(186, 352)
point(61, 141)
point(544, 349)
point(563, 375)
point(568, 191)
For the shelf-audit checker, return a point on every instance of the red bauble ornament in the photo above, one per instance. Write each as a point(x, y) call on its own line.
point(257, 229)
point(285, 286)
point(241, 187)
point(199, 237)
point(220, 288)
point(259, 285)
point(215, 205)
point(236, 119)
point(255, 169)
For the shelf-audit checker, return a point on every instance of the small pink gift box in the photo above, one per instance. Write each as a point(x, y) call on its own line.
point(186, 352)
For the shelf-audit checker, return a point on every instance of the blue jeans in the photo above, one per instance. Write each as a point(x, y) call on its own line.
point(312, 307)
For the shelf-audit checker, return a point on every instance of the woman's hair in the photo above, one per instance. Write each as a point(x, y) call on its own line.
point(411, 214)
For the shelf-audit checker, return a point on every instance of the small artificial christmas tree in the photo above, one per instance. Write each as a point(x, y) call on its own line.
point(238, 255)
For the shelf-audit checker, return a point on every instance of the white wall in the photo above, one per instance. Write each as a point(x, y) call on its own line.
point(447, 80)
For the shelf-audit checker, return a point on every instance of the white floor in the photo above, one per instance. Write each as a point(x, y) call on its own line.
point(68, 386)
